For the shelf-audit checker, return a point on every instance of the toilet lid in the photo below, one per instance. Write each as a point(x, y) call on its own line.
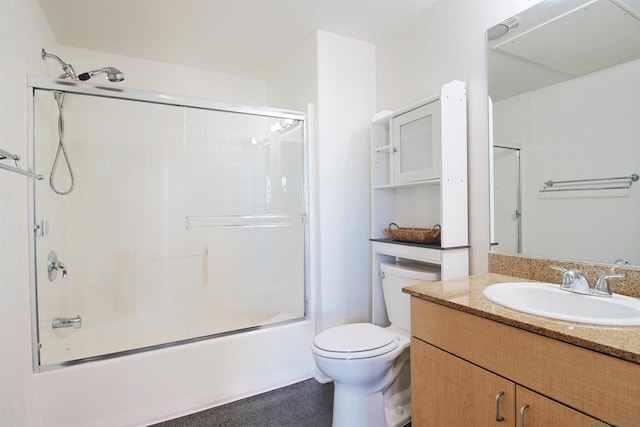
point(355, 341)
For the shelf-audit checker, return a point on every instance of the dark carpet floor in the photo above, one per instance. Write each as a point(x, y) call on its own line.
point(304, 404)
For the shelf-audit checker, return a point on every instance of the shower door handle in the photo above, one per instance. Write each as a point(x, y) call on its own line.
point(67, 322)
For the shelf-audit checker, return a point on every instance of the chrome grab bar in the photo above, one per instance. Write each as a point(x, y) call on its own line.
point(16, 158)
point(4, 154)
point(67, 322)
point(604, 184)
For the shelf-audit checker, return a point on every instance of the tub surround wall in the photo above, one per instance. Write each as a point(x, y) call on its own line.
point(539, 269)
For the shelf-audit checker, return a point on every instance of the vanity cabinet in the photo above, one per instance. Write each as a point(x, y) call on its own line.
point(471, 371)
point(418, 180)
point(451, 391)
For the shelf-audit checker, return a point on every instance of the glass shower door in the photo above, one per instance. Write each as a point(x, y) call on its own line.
point(183, 223)
point(507, 199)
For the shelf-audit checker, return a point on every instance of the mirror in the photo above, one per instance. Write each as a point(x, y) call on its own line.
point(564, 88)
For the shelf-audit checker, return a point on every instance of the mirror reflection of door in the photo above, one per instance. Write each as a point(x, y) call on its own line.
point(507, 202)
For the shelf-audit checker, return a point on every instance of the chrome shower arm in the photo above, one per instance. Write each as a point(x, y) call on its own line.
point(67, 68)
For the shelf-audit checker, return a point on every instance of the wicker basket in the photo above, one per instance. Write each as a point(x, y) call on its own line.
point(413, 235)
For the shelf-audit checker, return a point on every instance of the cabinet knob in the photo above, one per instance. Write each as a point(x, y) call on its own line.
point(499, 418)
point(522, 409)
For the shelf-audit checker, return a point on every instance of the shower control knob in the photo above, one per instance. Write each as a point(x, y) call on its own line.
point(53, 265)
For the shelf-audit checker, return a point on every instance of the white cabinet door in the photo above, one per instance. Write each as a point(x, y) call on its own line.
point(415, 141)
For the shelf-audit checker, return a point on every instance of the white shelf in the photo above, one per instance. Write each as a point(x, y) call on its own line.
point(384, 148)
point(435, 181)
point(422, 203)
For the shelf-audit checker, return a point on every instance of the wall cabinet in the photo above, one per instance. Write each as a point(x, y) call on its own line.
point(471, 371)
point(419, 179)
point(415, 144)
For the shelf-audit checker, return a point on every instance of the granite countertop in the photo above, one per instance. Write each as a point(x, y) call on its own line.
point(465, 294)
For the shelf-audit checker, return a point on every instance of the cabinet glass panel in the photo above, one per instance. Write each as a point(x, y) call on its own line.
point(416, 144)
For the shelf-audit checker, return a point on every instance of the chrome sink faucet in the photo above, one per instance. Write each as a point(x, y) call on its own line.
point(575, 281)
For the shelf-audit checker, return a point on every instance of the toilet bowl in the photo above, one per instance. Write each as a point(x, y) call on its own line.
point(369, 364)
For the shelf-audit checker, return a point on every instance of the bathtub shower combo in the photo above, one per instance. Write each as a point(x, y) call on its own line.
point(170, 220)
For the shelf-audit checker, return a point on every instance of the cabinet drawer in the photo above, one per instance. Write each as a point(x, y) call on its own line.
point(604, 387)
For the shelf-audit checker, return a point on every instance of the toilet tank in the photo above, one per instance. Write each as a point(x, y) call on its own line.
point(397, 275)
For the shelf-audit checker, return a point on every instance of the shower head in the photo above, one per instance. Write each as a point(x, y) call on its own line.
point(113, 74)
point(69, 72)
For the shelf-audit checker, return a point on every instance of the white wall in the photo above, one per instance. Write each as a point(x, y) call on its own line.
point(143, 74)
point(447, 42)
point(346, 103)
point(292, 85)
point(23, 31)
point(587, 127)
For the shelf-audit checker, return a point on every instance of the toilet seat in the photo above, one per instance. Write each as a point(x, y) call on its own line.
point(354, 341)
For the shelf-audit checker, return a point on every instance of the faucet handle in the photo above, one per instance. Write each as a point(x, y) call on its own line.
point(601, 287)
point(53, 265)
point(557, 267)
point(573, 280)
point(569, 276)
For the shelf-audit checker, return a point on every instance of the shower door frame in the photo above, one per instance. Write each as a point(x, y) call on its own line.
point(517, 213)
point(127, 94)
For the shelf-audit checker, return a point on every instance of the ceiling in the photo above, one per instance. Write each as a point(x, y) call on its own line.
point(242, 37)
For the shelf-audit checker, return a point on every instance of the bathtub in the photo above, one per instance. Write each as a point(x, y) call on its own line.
point(153, 386)
point(106, 337)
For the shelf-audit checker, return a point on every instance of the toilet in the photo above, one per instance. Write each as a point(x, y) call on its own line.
point(369, 364)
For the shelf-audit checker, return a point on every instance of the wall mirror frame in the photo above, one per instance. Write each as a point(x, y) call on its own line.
point(564, 120)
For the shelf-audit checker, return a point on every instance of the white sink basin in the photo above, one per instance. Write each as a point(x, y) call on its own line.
point(547, 300)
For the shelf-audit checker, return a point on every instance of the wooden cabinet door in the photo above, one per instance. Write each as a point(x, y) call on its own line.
point(534, 410)
point(448, 391)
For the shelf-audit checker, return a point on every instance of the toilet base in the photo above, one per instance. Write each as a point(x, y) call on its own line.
point(385, 405)
point(398, 411)
point(352, 408)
